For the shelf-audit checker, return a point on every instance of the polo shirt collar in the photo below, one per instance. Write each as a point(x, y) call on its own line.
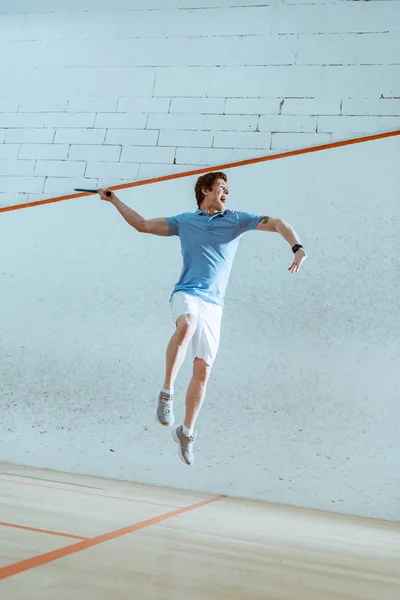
point(204, 212)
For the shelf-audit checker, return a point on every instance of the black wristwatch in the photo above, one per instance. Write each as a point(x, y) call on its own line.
point(296, 247)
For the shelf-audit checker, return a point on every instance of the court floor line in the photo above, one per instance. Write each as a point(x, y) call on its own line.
point(47, 557)
point(52, 487)
point(37, 530)
point(6, 469)
point(241, 163)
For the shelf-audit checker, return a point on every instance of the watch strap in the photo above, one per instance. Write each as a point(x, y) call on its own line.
point(296, 247)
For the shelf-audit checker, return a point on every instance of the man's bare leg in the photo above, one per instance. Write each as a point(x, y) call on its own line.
point(176, 352)
point(184, 435)
point(177, 348)
point(196, 392)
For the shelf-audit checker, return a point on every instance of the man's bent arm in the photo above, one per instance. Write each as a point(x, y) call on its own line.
point(155, 226)
point(280, 226)
point(131, 217)
point(288, 234)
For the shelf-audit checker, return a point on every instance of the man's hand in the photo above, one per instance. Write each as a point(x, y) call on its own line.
point(103, 196)
point(298, 260)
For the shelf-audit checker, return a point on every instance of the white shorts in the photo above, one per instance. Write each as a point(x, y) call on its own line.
point(205, 340)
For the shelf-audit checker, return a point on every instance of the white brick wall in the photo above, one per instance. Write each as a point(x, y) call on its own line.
point(288, 123)
point(121, 120)
point(59, 168)
point(242, 140)
point(22, 120)
point(44, 6)
point(138, 137)
point(92, 152)
point(346, 49)
point(178, 82)
point(103, 182)
point(147, 170)
point(203, 122)
point(143, 105)
point(49, 151)
point(70, 119)
point(346, 125)
point(8, 151)
point(11, 198)
point(8, 105)
point(39, 136)
point(145, 154)
point(252, 106)
point(310, 106)
point(22, 184)
point(17, 167)
point(42, 105)
point(80, 136)
point(371, 106)
point(195, 139)
point(120, 170)
point(269, 49)
point(295, 141)
point(241, 154)
point(284, 81)
point(201, 156)
point(92, 104)
point(100, 93)
point(212, 106)
point(61, 186)
point(330, 18)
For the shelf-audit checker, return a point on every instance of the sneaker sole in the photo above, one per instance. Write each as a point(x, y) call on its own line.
point(180, 449)
point(164, 424)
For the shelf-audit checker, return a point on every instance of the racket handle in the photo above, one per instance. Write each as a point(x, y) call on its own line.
point(107, 192)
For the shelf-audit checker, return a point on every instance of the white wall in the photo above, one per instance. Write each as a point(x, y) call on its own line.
point(302, 406)
point(99, 92)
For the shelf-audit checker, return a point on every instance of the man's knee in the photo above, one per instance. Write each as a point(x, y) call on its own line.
point(201, 370)
point(185, 327)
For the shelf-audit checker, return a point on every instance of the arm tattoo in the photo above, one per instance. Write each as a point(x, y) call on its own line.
point(265, 220)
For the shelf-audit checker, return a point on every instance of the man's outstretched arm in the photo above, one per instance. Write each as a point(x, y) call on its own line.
point(288, 234)
point(157, 226)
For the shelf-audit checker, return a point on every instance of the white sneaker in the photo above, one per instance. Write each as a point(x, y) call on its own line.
point(165, 414)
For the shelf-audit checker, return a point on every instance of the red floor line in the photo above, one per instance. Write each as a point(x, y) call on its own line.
point(43, 559)
point(52, 487)
point(37, 530)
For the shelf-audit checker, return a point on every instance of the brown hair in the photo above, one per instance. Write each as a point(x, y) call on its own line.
point(207, 181)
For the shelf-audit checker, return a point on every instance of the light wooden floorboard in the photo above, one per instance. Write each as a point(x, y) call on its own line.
point(226, 549)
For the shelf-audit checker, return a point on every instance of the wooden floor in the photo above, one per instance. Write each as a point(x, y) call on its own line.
point(74, 537)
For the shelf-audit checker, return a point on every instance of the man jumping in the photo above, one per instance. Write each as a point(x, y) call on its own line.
point(209, 239)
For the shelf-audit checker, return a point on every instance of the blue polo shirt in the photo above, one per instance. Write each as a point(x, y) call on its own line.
point(208, 246)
